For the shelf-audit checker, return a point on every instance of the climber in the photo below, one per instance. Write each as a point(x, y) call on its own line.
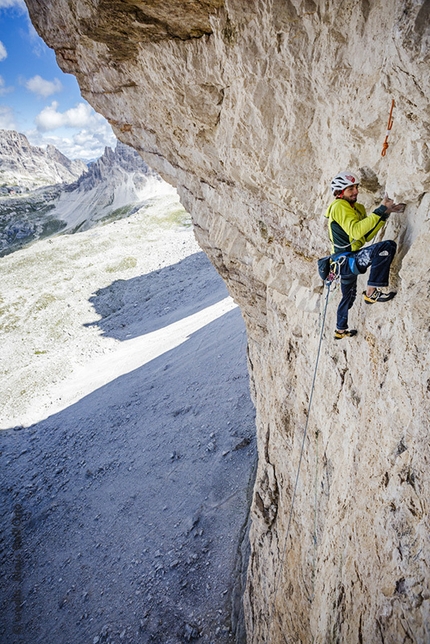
point(349, 229)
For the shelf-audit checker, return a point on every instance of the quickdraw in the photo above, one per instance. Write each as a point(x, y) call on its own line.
point(389, 126)
point(334, 274)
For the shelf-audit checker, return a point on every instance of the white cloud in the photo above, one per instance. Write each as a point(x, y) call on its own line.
point(42, 87)
point(8, 4)
point(79, 132)
point(82, 115)
point(3, 89)
point(7, 120)
point(37, 44)
point(85, 143)
point(3, 52)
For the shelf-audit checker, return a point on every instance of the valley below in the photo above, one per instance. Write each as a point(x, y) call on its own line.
point(128, 438)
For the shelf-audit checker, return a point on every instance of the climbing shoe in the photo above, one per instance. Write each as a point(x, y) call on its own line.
point(338, 335)
point(378, 296)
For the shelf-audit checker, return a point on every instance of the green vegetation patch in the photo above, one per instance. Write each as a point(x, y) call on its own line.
point(178, 217)
point(119, 213)
point(123, 265)
point(172, 216)
point(44, 301)
point(9, 322)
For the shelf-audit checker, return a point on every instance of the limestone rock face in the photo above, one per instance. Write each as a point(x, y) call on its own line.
point(250, 107)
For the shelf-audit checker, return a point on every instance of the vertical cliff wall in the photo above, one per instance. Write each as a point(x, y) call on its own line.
point(249, 107)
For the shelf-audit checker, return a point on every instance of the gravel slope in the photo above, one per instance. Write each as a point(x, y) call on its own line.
point(124, 505)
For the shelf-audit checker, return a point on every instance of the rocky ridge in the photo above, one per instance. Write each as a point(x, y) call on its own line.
point(114, 186)
point(27, 166)
point(250, 119)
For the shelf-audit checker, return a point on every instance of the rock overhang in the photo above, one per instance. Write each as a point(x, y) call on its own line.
point(250, 108)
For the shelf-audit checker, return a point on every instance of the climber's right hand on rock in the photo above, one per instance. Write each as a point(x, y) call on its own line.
point(391, 206)
point(398, 207)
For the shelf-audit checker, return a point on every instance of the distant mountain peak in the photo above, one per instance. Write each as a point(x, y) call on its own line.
point(29, 166)
point(60, 197)
point(112, 167)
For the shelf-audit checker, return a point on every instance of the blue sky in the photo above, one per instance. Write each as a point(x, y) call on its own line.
point(37, 98)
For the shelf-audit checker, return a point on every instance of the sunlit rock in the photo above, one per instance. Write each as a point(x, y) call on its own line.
point(249, 108)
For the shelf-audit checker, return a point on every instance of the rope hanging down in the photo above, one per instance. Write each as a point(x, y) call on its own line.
point(332, 279)
point(389, 126)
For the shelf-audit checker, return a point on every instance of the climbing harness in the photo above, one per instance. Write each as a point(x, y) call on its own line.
point(389, 126)
point(332, 266)
point(330, 282)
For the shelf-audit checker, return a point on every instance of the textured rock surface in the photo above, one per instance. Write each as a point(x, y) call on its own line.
point(249, 107)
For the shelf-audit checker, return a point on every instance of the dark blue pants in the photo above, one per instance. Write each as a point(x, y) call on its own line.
point(379, 257)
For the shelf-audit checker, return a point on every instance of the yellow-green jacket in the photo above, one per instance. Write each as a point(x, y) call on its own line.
point(350, 227)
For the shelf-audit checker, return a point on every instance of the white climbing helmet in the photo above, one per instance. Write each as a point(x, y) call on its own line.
point(343, 180)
